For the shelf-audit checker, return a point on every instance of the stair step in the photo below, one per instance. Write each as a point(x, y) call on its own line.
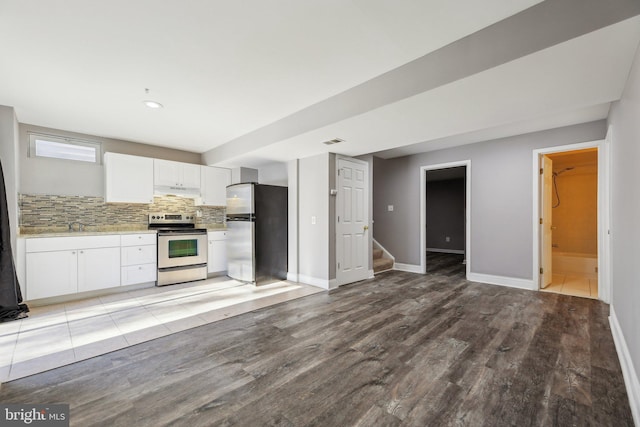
point(382, 264)
point(377, 253)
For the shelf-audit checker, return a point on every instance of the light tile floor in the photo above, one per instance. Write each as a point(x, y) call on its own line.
point(575, 284)
point(60, 334)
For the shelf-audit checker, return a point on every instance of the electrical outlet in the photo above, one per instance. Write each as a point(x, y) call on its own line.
point(447, 239)
point(313, 220)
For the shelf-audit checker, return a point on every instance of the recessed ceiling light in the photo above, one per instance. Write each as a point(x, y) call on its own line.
point(333, 141)
point(153, 104)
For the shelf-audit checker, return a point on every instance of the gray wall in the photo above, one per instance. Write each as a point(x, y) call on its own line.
point(625, 211)
point(10, 167)
point(275, 173)
point(69, 178)
point(501, 198)
point(445, 214)
point(314, 256)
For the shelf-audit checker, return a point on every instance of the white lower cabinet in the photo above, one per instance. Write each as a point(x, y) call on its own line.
point(51, 273)
point(66, 265)
point(138, 256)
point(98, 269)
point(132, 274)
point(217, 252)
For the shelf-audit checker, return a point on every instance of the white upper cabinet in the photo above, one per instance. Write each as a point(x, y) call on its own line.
point(213, 185)
point(128, 179)
point(176, 177)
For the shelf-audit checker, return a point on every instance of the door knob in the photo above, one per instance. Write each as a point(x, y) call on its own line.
point(366, 227)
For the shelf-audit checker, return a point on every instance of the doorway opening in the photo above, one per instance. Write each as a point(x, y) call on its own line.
point(445, 233)
point(569, 222)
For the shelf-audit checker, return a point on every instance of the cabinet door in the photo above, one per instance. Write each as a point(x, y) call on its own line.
point(128, 179)
point(214, 185)
point(190, 175)
point(167, 173)
point(217, 256)
point(50, 274)
point(98, 268)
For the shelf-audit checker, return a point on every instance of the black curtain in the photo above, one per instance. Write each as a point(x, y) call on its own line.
point(10, 295)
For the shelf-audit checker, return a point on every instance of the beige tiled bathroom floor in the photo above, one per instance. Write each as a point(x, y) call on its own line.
point(575, 284)
point(59, 334)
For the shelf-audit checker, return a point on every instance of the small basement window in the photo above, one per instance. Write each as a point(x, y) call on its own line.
point(57, 147)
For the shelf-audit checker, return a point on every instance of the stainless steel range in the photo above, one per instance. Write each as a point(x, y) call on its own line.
point(182, 248)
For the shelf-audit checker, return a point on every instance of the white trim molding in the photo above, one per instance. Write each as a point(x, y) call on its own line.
point(410, 268)
point(371, 274)
point(387, 254)
point(604, 244)
point(423, 213)
point(511, 282)
point(631, 381)
point(319, 283)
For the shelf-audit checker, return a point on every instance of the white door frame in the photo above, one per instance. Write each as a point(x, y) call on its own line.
point(604, 284)
point(423, 212)
point(340, 280)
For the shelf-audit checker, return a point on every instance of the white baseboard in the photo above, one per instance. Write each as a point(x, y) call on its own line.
point(292, 277)
point(446, 251)
point(410, 268)
point(631, 380)
point(512, 282)
point(314, 281)
point(371, 274)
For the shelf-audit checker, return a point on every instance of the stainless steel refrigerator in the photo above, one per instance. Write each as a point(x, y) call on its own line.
point(257, 233)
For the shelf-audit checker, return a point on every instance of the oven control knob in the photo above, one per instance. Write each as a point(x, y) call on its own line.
point(153, 217)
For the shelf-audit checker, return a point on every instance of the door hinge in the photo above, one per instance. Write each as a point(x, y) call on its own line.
point(338, 218)
point(540, 221)
point(339, 172)
point(541, 270)
point(338, 266)
point(541, 171)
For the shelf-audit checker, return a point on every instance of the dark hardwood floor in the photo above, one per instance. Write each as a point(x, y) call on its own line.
point(401, 349)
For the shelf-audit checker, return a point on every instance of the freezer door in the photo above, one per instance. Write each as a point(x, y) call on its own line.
point(240, 253)
point(240, 199)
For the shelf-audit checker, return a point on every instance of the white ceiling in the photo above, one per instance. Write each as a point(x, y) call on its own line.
point(224, 69)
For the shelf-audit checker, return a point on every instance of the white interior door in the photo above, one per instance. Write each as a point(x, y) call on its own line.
point(546, 216)
point(352, 227)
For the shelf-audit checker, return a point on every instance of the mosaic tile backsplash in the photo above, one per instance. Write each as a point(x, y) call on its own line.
point(48, 213)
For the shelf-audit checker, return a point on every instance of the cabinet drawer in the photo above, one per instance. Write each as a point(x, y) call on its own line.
point(138, 239)
point(46, 244)
point(132, 255)
point(138, 274)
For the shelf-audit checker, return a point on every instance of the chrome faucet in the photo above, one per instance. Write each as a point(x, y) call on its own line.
point(80, 226)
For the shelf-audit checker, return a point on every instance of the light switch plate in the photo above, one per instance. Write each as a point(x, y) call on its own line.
point(390, 208)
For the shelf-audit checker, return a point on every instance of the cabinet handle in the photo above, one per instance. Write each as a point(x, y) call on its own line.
point(139, 249)
point(81, 252)
point(73, 253)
